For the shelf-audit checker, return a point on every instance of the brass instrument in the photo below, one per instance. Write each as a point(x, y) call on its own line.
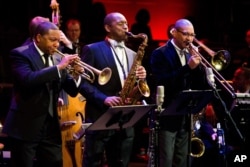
point(133, 88)
point(103, 76)
point(220, 60)
point(197, 147)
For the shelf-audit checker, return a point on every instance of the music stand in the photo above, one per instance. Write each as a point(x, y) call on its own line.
point(119, 117)
point(188, 102)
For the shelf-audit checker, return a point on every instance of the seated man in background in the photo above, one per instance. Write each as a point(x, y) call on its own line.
point(73, 33)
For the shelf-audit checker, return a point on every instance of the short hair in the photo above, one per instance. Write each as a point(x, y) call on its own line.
point(110, 17)
point(169, 31)
point(72, 21)
point(246, 72)
point(44, 27)
point(34, 23)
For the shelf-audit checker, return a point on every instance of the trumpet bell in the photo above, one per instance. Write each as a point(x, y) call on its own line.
point(221, 60)
point(104, 76)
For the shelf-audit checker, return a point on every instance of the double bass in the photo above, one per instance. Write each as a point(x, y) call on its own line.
point(71, 114)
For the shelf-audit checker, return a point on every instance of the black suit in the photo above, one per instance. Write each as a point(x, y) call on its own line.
point(168, 71)
point(28, 118)
point(99, 55)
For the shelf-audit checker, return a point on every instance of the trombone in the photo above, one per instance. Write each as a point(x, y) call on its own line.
point(103, 75)
point(220, 60)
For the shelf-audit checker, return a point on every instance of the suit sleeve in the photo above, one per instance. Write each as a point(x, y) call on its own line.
point(87, 89)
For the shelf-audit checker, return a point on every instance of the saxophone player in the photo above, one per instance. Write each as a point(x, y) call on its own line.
point(177, 69)
point(111, 52)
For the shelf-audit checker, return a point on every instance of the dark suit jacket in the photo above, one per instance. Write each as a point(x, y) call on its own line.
point(30, 101)
point(99, 55)
point(168, 71)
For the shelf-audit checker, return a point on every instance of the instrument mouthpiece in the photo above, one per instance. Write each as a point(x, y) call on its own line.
point(130, 34)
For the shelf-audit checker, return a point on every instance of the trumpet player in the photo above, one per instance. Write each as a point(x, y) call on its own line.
point(176, 67)
point(32, 123)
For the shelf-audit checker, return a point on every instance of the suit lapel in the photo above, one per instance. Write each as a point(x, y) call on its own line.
point(130, 56)
point(108, 56)
point(109, 59)
point(175, 58)
point(36, 57)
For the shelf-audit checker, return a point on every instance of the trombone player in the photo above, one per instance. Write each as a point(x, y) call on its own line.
point(177, 67)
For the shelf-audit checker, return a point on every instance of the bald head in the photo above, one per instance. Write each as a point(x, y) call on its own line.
point(116, 25)
point(183, 33)
point(111, 17)
point(183, 23)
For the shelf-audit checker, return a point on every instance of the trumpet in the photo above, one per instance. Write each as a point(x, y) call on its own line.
point(103, 75)
point(220, 60)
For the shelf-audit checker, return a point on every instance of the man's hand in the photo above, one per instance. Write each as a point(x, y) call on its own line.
point(60, 102)
point(77, 70)
point(194, 61)
point(141, 72)
point(67, 60)
point(65, 40)
point(113, 101)
point(54, 4)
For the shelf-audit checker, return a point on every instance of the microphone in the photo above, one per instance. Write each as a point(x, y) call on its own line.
point(159, 97)
point(210, 77)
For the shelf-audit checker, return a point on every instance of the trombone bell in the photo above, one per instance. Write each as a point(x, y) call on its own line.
point(221, 60)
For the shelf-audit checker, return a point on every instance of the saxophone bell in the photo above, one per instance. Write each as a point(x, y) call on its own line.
point(197, 146)
point(141, 89)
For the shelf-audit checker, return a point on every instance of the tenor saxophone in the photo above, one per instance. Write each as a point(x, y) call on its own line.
point(134, 88)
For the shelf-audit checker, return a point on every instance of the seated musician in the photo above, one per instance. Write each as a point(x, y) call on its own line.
point(240, 113)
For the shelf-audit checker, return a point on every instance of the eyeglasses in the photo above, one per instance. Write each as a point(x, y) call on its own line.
point(186, 33)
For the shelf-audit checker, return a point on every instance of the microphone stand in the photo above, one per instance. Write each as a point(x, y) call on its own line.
point(228, 114)
point(154, 140)
point(153, 151)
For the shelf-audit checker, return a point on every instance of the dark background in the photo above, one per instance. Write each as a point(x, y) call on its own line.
point(223, 25)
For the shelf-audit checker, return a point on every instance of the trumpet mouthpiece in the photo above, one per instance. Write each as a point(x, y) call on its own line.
point(130, 34)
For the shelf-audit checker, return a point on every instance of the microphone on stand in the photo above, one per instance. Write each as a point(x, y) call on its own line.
point(159, 97)
point(153, 149)
point(210, 77)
